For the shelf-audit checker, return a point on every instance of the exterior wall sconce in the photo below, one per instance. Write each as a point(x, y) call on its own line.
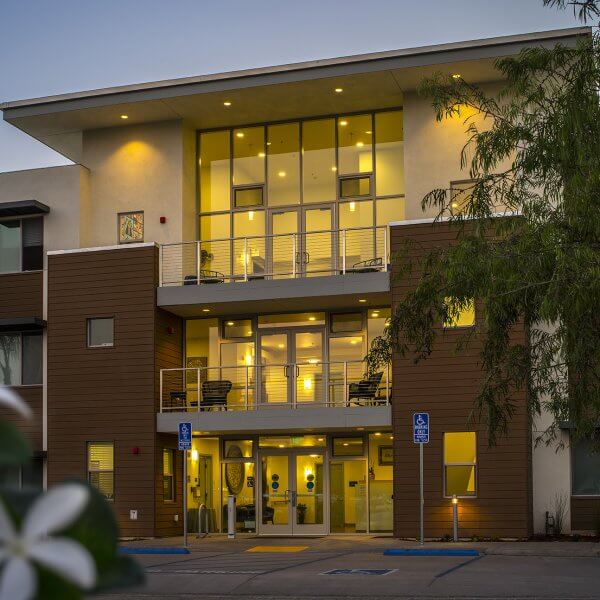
point(455, 517)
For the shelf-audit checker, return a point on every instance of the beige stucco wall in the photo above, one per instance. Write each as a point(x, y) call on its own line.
point(141, 167)
point(61, 188)
point(432, 150)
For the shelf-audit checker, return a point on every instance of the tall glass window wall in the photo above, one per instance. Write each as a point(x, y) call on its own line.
point(354, 164)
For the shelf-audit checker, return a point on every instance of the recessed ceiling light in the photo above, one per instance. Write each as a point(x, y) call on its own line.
point(320, 439)
point(334, 169)
point(281, 345)
point(226, 103)
point(230, 323)
point(124, 116)
point(282, 173)
point(206, 310)
point(261, 154)
point(268, 143)
point(359, 144)
point(240, 134)
point(360, 429)
point(281, 446)
point(368, 132)
point(353, 342)
point(343, 123)
point(345, 444)
point(378, 434)
point(312, 318)
point(338, 90)
point(455, 75)
point(362, 300)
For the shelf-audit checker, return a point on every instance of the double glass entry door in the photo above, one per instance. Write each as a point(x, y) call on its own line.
point(292, 368)
point(312, 252)
point(292, 493)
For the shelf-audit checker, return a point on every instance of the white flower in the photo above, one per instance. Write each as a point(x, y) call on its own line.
point(51, 512)
point(12, 400)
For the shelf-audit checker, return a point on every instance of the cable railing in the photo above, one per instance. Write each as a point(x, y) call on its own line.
point(283, 385)
point(275, 256)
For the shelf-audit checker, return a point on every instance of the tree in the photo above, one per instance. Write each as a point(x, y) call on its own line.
point(536, 161)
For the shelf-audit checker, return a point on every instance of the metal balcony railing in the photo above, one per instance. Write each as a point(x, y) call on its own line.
point(280, 256)
point(254, 387)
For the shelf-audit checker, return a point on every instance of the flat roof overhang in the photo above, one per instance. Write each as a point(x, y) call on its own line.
point(22, 324)
point(23, 208)
point(279, 419)
point(375, 80)
point(279, 295)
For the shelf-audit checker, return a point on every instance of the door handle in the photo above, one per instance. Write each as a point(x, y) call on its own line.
point(298, 259)
point(297, 371)
point(307, 257)
point(294, 499)
point(285, 371)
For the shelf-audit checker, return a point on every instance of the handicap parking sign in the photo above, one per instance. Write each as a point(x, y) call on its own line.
point(421, 428)
point(185, 436)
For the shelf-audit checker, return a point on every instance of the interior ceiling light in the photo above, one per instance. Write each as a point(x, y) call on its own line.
point(338, 90)
point(206, 310)
point(368, 132)
point(343, 123)
point(362, 300)
point(239, 134)
point(124, 116)
point(230, 323)
point(455, 75)
point(359, 144)
point(312, 318)
point(282, 173)
point(334, 169)
point(226, 103)
point(261, 154)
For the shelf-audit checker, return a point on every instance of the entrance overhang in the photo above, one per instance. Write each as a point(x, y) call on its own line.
point(276, 419)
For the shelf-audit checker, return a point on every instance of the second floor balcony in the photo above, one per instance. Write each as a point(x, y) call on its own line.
point(292, 386)
point(276, 256)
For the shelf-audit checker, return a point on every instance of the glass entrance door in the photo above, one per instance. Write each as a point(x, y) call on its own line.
point(284, 244)
point(293, 493)
point(318, 257)
point(291, 366)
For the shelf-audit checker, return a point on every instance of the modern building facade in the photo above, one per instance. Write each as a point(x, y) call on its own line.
point(221, 253)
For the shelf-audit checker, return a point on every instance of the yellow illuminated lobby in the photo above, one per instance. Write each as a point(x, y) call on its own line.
point(311, 484)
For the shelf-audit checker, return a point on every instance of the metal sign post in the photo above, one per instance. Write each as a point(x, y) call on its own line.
point(184, 431)
point(421, 436)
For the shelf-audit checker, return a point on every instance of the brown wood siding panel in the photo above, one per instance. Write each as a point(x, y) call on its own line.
point(445, 385)
point(21, 295)
point(585, 514)
point(104, 394)
point(169, 355)
point(31, 428)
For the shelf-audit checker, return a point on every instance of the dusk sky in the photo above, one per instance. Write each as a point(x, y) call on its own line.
point(52, 47)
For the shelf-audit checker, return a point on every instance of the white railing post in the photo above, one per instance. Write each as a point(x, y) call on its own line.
point(198, 256)
point(161, 390)
point(247, 403)
point(346, 388)
point(386, 233)
point(294, 254)
point(198, 386)
point(245, 259)
point(343, 251)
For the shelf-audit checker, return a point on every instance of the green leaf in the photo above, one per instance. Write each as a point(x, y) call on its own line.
point(14, 448)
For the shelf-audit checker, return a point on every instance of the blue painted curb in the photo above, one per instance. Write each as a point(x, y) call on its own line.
point(430, 552)
point(130, 550)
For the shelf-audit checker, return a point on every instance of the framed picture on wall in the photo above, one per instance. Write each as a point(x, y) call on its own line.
point(131, 227)
point(386, 455)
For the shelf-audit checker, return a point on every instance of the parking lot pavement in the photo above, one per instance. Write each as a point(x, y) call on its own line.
point(333, 569)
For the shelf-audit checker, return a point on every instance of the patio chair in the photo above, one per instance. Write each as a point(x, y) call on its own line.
point(365, 390)
point(206, 276)
point(214, 394)
point(178, 399)
point(366, 266)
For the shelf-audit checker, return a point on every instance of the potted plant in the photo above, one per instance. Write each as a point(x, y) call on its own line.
point(301, 510)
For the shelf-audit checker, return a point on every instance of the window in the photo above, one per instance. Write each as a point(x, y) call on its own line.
point(214, 171)
point(353, 446)
point(248, 196)
point(101, 332)
point(465, 317)
point(351, 187)
point(101, 468)
point(389, 210)
point(318, 161)
point(269, 321)
point(460, 195)
point(460, 461)
point(355, 144)
point(237, 328)
point(21, 358)
point(283, 164)
point(248, 156)
point(346, 322)
point(389, 153)
point(21, 245)
point(168, 475)
point(30, 475)
point(586, 469)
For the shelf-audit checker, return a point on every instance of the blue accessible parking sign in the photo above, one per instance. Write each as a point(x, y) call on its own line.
point(185, 436)
point(421, 428)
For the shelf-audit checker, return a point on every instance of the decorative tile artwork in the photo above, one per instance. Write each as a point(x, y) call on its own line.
point(131, 227)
